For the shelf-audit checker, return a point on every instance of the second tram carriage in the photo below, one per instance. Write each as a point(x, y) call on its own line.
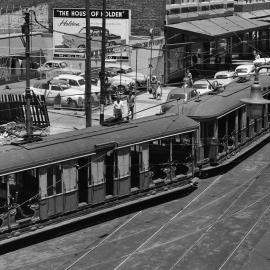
point(225, 124)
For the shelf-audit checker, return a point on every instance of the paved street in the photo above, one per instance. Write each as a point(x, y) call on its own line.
point(221, 225)
point(67, 120)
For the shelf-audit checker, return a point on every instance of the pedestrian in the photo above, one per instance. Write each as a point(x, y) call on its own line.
point(189, 78)
point(7, 87)
point(131, 103)
point(257, 56)
point(118, 108)
point(153, 86)
point(159, 90)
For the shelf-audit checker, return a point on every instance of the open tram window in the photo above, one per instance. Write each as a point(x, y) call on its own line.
point(182, 153)
point(24, 191)
point(3, 195)
point(159, 157)
point(54, 180)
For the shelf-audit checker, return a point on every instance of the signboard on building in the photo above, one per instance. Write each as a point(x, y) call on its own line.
point(69, 32)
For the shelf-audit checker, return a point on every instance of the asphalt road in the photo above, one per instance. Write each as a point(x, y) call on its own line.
point(221, 225)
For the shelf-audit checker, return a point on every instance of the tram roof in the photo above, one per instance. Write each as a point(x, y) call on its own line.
point(215, 105)
point(79, 143)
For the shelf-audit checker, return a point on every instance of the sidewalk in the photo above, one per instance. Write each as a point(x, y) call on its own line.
point(68, 120)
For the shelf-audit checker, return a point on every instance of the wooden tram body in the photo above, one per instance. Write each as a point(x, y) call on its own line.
point(75, 170)
point(225, 125)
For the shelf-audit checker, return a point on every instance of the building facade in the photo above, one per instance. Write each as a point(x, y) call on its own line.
point(206, 35)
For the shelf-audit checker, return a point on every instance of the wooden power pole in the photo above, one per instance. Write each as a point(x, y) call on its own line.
point(87, 94)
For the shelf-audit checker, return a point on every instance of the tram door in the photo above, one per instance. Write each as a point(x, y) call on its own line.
point(109, 173)
point(135, 167)
point(83, 175)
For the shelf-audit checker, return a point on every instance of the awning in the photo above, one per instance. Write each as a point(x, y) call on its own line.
point(219, 27)
point(256, 14)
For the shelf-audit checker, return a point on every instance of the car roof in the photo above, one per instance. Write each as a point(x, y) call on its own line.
point(245, 66)
point(117, 65)
point(55, 61)
point(69, 76)
point(224, 72)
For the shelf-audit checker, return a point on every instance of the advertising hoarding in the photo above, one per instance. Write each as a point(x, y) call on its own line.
point(69, 32)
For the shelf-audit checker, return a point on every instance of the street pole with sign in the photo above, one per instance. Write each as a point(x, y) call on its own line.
point(87, 94)
point(102, 71)
point(26, 32)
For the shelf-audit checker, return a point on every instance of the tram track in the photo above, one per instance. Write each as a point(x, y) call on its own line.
point(200, 194)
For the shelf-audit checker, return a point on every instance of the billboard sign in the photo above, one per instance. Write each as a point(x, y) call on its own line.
point(69, 31)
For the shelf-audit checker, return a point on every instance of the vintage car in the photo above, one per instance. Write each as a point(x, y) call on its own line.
point(205, 86)
point(59, 90)
point(182, 94)
point(78, 40)
point(127, 70)
point(53, 67)
point(225, 77)
point(244, 72)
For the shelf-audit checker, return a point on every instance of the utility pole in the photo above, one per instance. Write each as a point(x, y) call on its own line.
point(151, 53)
point(87, 94)
point(102, 71)
point(26, 32)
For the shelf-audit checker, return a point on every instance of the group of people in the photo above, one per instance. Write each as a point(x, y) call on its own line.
point(118, 106)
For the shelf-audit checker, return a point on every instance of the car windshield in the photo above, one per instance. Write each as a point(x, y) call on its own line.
point(200, 86)
point(176, 96)
point(81, 82)
point(242, 70)
point(222, 76)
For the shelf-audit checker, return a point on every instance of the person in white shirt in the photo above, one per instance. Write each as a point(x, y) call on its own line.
point(118, 108)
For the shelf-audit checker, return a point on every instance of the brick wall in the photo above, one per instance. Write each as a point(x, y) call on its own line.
point(145, 14)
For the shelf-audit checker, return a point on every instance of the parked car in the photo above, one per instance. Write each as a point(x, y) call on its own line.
point(244, 72)
point(51, 89)
point(128, 72)
point(225, 77)
point(58, 64)
point(77, 82)
point(121, 83)
point(205, 86)
point(178, 94)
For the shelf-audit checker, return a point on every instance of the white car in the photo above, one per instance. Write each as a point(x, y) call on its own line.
point(77, 82)
point(225, 77)
point(53, 89)
point(244, 72)
point(205, 86)
point(57, 66)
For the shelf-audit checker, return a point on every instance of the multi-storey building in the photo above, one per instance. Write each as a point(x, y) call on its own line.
point(209, 34)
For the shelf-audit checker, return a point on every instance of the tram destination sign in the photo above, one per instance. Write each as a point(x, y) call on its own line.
point(69, 31)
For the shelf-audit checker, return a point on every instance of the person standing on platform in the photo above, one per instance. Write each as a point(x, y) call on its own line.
point(131, 103)
point(118, 108)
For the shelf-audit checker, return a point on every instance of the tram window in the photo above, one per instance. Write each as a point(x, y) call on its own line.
point(123, 162)
point(230, 5)
point(54, 180)
point(213, 7)
point(205, 8)
point(97, 171)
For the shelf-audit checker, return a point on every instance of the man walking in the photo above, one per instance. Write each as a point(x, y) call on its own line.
point(131, 103)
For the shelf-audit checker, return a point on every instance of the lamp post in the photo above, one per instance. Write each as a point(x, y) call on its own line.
point(256, 101)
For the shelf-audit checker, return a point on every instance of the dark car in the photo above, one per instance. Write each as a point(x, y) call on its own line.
point(178, 94)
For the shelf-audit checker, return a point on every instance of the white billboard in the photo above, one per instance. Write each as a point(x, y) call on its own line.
point(69, 31)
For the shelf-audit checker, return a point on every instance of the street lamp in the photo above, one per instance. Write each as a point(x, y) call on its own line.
point(256, 101)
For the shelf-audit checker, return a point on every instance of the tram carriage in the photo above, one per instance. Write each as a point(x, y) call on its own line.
point(225, 124)
point(74, 170)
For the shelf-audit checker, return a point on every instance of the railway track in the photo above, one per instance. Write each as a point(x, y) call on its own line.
point(209, 229)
